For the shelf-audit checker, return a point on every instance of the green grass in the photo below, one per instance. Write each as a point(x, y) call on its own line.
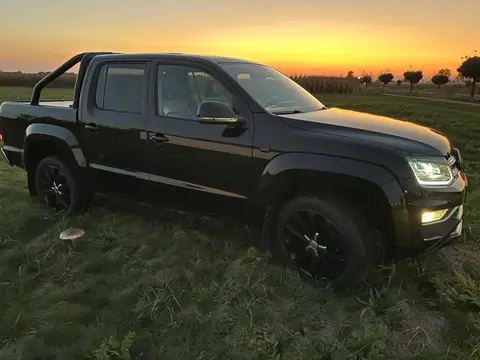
point(25, 93)
point(447, 92)
point(182, 286)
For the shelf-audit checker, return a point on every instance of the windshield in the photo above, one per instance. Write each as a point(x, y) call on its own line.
point(275, 92)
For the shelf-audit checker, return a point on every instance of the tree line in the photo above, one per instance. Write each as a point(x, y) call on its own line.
point(468, 70)
point(18, 78)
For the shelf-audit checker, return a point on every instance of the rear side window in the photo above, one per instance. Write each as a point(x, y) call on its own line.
point(120, 88)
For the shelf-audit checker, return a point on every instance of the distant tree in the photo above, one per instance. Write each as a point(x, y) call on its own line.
point(442, 77)
point(385, 78)
point(440, 80)
point(413, 77)
point(470, 69)
point(365, 79)
point(399, 82)
point(350, 75)
point(445, 72)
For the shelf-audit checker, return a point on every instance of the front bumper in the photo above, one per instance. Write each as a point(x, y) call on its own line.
point(451, 226)
point(408, 200)
point(430, 236)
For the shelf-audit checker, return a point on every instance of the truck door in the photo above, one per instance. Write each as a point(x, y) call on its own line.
point(200, 165)
point(112, 121)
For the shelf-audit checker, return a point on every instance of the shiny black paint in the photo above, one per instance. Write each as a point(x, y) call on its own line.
point(214, 110)
point(49, 132)
point(246, 168)
point(407, 137)
point(113, 140)
point(217, 157)
point(22, 123)
point(288, 164)
point(419, 199)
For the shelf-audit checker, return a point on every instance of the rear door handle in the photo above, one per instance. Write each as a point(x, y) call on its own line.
point(157, 138)
point(91, 127)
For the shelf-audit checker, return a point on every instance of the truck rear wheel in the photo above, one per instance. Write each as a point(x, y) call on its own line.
point(59, 187)
point(326, 240)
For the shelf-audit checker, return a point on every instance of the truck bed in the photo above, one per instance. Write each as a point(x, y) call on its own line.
point(15, 117)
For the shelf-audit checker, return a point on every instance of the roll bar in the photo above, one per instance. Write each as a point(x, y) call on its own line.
point(84, 58)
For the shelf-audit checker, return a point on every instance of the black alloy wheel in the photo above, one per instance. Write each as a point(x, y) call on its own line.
point(327, 240)
point(314, 245)
point(54, 188)
point(61, 187)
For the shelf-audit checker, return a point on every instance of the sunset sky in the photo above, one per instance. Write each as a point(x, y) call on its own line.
point(299, 36)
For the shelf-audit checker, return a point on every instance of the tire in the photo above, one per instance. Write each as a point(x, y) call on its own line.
point(62, 175)
point(343, 249)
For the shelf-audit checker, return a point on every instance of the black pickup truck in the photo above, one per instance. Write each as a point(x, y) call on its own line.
point(333, 188)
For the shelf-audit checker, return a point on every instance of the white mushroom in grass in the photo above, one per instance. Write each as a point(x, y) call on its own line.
point(72, 234)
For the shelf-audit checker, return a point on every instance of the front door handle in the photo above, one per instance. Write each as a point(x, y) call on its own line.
point(91, 127)
point(158, 138)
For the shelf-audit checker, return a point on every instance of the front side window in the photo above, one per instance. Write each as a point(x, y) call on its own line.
point(120, 88)
point(181, 89)
point(275, 92)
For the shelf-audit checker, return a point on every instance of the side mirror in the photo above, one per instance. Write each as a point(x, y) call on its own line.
point(216, 112)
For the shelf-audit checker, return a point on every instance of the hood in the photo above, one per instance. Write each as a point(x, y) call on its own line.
point(403, 135)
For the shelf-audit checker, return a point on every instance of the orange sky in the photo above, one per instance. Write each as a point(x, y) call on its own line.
point(302, 36)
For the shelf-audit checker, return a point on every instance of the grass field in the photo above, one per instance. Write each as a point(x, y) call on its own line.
point(171, 285)
point(25, 93)
point(447, 92)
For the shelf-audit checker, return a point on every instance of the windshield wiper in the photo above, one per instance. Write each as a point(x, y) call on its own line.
point(287, 112)
point(296, 111)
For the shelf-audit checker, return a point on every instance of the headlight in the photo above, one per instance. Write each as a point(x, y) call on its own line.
point(431, 172)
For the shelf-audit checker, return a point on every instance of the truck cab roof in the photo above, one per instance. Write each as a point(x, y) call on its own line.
point(177, 56)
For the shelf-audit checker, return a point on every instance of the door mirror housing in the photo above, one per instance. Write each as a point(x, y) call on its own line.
point(216, 112)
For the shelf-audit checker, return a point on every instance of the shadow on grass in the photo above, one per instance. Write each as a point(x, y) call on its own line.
point(397, 274)
point(210, 225)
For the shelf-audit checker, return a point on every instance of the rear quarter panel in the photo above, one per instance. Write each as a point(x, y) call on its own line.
point(15, 117)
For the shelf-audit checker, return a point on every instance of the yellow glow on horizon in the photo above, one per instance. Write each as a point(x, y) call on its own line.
point(328, 39)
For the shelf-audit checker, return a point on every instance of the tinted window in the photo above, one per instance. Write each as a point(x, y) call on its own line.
point(181, 89)
point(120, 87)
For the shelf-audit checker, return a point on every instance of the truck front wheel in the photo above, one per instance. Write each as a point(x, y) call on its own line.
point(325, 240)
point(59, 187)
